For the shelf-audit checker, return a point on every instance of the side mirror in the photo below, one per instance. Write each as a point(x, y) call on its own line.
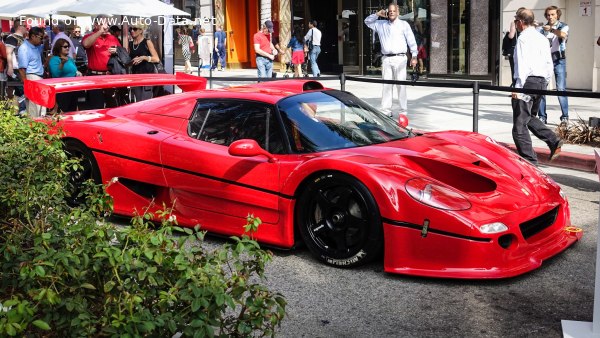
point(249, 148)
point(403, 120)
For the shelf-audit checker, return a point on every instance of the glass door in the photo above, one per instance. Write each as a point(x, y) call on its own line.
point(458, 37)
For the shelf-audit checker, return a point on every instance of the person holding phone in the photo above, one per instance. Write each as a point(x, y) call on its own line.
point(396, 38)
point(99, 45)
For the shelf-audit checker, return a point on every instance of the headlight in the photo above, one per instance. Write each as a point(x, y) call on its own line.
point(436, 195)
point(493, 228)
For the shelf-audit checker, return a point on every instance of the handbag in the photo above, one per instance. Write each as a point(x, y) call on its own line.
point(192, 47)
point(159, 68)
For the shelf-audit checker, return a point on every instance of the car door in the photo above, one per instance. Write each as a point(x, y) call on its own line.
point(206, 180)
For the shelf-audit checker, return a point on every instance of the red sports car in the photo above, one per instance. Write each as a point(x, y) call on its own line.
point(320, 166)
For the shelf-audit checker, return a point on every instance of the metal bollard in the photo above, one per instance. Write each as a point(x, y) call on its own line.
point(343, 81)
point(475, 106)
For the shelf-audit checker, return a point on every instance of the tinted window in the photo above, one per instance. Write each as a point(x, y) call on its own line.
point(319, 121)
point(227, 121)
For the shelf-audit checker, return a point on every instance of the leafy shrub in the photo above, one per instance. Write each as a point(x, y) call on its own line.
point(67, 272)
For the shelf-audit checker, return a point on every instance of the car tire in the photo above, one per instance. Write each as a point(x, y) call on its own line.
point(339, 220)
point(91, 171)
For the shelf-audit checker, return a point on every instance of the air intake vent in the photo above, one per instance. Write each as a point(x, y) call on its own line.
point(311, 85)
point(538, 224)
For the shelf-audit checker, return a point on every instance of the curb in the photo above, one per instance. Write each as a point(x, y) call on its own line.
point(566, 159)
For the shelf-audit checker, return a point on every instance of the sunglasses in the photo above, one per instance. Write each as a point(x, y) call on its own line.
point(66, 46)
point(76, 31)
point(135, 29)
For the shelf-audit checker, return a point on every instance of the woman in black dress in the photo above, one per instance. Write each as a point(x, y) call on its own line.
point(143, 56)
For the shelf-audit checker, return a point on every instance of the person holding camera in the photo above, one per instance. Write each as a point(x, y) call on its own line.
point(557, 33)
point(396, 38)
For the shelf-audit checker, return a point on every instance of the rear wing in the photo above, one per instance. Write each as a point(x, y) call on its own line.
point(43, 92)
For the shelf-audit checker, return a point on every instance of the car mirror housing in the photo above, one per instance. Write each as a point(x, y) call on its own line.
point(402, 120)
point(249, 148)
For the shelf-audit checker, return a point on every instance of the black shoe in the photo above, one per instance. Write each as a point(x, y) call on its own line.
point(555, 151)
point(564, 120)
point(543, 119)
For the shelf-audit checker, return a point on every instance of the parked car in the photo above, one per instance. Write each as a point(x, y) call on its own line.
point(320, 166)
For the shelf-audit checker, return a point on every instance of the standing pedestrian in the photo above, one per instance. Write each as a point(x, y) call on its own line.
point(204, 50)
point(99, 46)
point(220, 50)
point(297, 45)
point(61, 64)
point(143, 56)
point(80, 55)
point(264, 49)
point(185, 41)
point(13, 42)
point(533, 70)
point(508, 47)
point(313, 40)
point(557, 33)
point(59, 33)
point(396, 39)
point(31, 66)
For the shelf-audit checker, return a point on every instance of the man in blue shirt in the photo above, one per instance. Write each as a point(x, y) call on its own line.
point(220, 42)
point(31, 66)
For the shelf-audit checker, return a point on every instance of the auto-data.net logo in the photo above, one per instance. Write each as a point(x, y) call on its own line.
point(119, 21)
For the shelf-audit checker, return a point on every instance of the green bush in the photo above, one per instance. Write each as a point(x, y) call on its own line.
point(67, 272)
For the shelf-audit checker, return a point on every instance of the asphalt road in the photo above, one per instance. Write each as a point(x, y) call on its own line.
point(366, 302)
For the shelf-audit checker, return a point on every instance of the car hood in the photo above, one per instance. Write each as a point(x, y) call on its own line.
point(473, 164)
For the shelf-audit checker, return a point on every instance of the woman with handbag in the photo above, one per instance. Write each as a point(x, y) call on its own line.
point(143, 56)
point(61, 64)
point(186, 43)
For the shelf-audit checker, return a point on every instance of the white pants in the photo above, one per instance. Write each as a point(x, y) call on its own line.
point(34, 110)
point(393, 68)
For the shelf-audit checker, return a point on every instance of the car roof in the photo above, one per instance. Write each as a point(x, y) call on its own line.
point(269, 93)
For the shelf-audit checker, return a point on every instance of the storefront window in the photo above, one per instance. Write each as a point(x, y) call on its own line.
point(416, 13)
point(458, 13)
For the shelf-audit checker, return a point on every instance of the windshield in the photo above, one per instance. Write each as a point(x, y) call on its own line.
point(326, 120)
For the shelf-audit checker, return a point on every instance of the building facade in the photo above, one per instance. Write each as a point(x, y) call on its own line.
point(458, 39)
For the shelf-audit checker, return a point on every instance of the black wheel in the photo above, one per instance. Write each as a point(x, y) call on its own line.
point(90, 171)
point(339, 221)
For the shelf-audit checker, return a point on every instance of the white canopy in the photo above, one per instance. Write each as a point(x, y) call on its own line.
point(41, 8)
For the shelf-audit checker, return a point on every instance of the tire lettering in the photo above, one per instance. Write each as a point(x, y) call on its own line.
point(347, 261)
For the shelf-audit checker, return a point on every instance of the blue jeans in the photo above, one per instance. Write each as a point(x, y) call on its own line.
point(264, 66)
point(560, 75)
point(219, 56)
point(314, 54)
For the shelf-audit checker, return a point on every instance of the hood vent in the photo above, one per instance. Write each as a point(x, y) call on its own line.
point(454, 176)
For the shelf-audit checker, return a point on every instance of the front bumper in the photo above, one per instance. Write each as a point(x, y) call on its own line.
point(446, 255)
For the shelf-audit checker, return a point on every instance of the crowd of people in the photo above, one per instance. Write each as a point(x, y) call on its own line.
point(35, 54)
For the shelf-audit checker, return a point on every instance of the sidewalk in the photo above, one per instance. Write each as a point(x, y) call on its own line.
point(435, 109)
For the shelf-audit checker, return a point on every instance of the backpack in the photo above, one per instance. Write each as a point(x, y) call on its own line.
point(508, 45)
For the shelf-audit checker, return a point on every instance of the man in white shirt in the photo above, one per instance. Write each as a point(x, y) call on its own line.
point(396, 38)
point(312, 40)
point(533, 70)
